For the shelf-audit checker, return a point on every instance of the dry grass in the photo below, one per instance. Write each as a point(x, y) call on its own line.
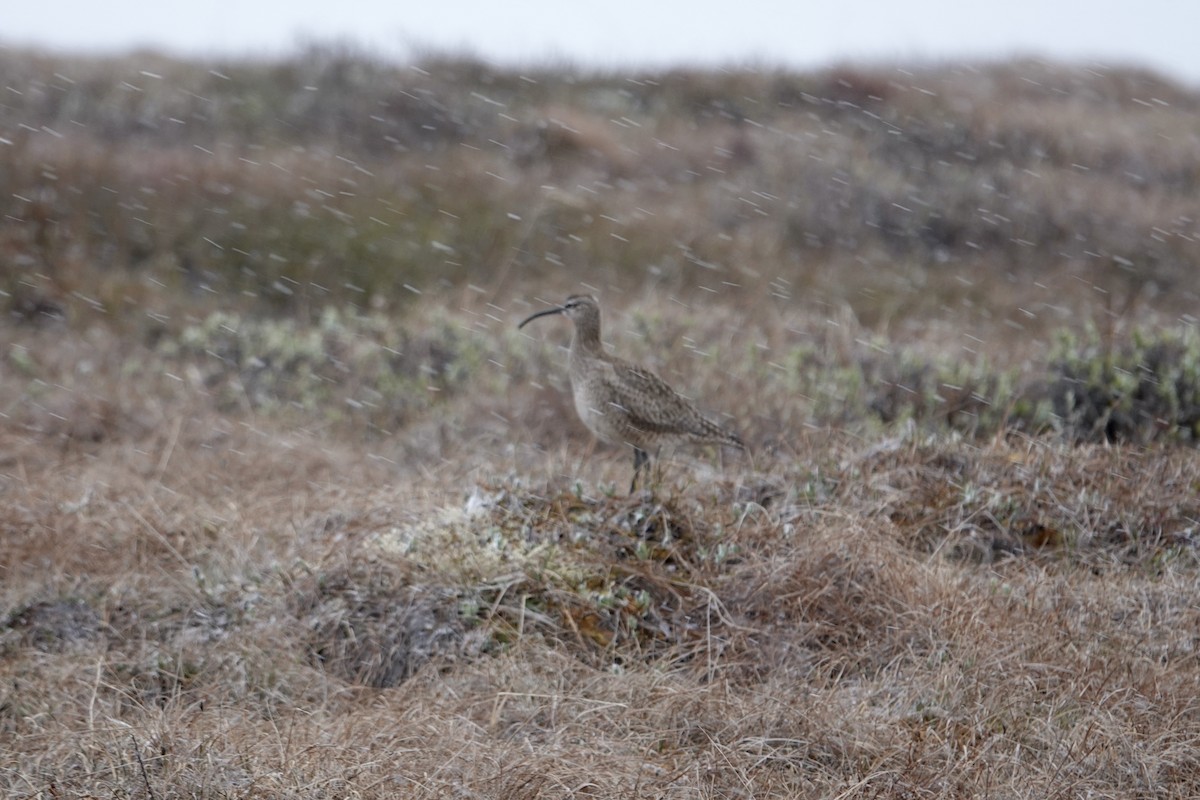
point(996, 197)
point(360, 547)
point(253, 610)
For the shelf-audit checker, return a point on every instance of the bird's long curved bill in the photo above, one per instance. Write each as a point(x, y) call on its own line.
point(546, 313)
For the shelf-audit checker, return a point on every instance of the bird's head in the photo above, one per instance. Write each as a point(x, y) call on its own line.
point(581, 308)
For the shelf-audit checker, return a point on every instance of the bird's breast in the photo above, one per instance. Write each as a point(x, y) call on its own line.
point(594, 402)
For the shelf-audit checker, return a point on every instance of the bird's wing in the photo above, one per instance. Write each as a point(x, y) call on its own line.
point(651, 404)
point(654, 406)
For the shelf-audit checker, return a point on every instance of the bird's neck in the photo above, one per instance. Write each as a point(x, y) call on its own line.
point(586, 340)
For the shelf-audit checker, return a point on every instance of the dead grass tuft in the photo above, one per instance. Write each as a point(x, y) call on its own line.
point(373, 625)
point(53, 626)
point(845, 596)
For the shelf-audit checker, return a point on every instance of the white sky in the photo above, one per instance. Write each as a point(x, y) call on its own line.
point(1160, 34)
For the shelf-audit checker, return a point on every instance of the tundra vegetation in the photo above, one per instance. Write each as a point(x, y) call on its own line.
point(289, 508)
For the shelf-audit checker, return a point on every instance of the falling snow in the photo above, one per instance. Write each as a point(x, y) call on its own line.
point(273, 448)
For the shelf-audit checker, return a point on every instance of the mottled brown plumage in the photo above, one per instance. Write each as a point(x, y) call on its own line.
point(622, 403)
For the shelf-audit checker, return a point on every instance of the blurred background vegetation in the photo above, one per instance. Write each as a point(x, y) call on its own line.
point(1015, 205)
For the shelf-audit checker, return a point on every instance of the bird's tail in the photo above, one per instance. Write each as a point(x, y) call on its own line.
point(712, 432)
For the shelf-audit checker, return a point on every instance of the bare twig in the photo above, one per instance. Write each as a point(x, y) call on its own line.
point(142, 765)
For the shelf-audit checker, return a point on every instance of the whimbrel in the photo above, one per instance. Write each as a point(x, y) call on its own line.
point(622, 403)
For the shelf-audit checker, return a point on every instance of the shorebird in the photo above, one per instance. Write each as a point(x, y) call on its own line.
point(622, 403)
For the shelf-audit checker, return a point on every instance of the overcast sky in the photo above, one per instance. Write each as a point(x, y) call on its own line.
point(1161, 34)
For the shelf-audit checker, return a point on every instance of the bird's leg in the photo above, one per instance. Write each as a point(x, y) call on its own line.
point(640, 457)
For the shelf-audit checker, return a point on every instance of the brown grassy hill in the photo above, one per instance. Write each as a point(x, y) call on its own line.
point(289, 508)
point(1020, 193)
